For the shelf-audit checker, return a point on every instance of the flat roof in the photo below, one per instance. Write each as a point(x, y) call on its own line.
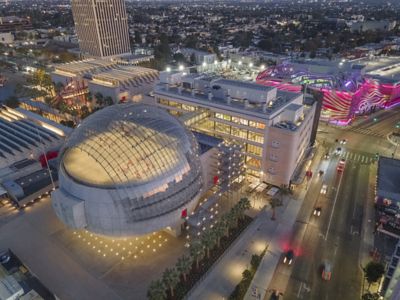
point(244, 84)
point(388, 181)
point(83, 66)
point(125, 74)
point(283, 98)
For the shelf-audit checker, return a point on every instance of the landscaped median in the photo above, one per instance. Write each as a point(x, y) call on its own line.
point(247, 276)
point(177, 281)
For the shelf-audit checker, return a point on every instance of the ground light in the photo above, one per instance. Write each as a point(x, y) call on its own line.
point(120, 248)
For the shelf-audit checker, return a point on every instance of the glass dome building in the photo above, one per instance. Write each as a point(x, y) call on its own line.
point(128, 169)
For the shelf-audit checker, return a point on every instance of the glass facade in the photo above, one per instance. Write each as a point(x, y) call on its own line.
point(227, 126)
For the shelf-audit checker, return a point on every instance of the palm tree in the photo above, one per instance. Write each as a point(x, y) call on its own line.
point(243, 205)
point(171, 279)
point(156, 290)
point(184, 264)
point(197, 251)
point(220, 230)
point(209, 240)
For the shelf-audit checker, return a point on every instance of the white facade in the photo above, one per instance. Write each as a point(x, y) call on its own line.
point(6, 38)
point(274, 126)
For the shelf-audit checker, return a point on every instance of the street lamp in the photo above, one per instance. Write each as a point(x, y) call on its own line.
point(262, 67)
point(251, 65)
point(181, 67)
point(168, 69)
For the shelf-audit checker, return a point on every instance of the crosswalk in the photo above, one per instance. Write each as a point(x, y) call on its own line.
point(361, 158)
point(366, 131)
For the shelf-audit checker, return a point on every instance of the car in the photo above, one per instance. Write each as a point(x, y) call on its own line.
point(288, 259)
point(342, 163)
point(317, 211)
point(5, 257)
point(326, 156)
point(321, 172)
point(343, 142)
point(338, 150)
point(326, 271)
point(324, 189)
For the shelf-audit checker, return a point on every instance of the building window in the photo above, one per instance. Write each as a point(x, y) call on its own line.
point(256, 137)
point(188, 107)
point(275, 144)
point(163, 101)
point(250, 161)
point(398, 251)
point(240, 121)
point(256, 125)
point(254, 150)
point(223, 128)
point(273, 157)
point(390, 272)
point(394, 261)
point(241, 133)
point(271, 170)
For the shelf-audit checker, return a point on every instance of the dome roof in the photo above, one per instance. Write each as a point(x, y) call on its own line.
point(126, 144)
point(128, 169)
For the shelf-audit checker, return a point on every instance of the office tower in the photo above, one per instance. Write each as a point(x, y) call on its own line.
point(102, 27)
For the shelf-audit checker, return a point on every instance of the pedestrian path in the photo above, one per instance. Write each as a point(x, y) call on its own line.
point(367, 131)
point(358, 157)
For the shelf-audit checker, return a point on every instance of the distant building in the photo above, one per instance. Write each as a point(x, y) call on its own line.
point(13, 23)
point(197, 56)
point(274, 126)
point(391, 284)
point(6, 38)
point(382, 25)
point(102, 27)
point(119, 79)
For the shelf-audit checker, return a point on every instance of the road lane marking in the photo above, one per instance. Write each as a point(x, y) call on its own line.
point(356, 157)
point(334, 204)
point(363, 159)
point(299, 291)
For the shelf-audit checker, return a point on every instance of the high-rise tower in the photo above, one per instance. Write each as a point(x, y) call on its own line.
point(102, 27)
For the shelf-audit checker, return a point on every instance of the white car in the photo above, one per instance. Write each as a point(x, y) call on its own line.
point(324, 189)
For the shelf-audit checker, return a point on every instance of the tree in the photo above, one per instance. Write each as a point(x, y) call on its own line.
point(171, 279)
point(99, 99)
point(156, 290)
point(255, 261)
point(243, 205)
point(84, 111)
point(184, 264)
point(373, 272)
point(108, 101)
point(209, 240)
point(369, 296)
point(197, 251)
point(219, 230)
point(12, 102)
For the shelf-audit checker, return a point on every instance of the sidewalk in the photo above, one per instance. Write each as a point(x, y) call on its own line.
point(368, 224)
point(266, 270)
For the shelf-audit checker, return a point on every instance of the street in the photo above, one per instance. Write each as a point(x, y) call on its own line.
point(334, 237)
